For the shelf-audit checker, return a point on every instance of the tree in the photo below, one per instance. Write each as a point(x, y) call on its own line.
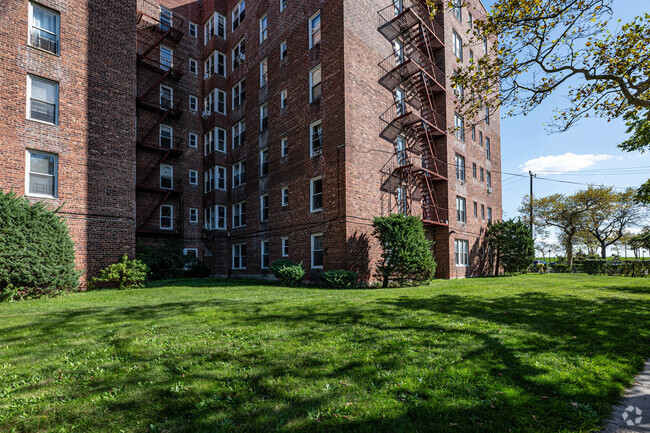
point(407, 253)
point(614, 212)
point(640, 242)
point(561, 212)
point(512, 244)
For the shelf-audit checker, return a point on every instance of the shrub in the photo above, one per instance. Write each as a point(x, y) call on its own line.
point(542, 268)
point(36, 251)
point(165, 261)
point(125, 274)
point(407, 254)
point(287, 272)
point(339, 279)
point(560, 268)
point(197, 269)
point(513, 244)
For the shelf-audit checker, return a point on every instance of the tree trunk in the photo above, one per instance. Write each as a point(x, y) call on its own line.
point(569, 251)
point(603, 250)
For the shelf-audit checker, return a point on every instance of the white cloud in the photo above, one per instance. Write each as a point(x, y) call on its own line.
point(562, 163)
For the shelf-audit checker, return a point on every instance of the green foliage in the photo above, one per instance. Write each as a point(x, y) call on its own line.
point(165, 261)
point(197, 269)
point(560, 268)
point(542, 268)
point(36, 251)
point(641, 241)
point(125, 274)
point(339, 279)
point(407, 255)
point(276, 265)
point(632, 268)
point(513, 244)
point(290, 275)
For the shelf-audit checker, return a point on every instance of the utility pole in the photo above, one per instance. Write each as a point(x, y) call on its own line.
point(531, 202)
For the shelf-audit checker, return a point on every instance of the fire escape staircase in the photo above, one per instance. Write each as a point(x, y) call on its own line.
point(413, 70)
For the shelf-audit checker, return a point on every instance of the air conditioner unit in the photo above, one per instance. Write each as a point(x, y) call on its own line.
point(206, 76)
point(206, 114)
point(489, 190)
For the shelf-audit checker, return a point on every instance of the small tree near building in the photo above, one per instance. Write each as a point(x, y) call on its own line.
point(407, 254)
point(512, 244)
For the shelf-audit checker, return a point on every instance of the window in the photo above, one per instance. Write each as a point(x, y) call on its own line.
point(238, 174)
point(470, 20)
point(317, 250)
point(459, 123)
point(400, 101)
point(285, 247)
point(264, 117)
point(166, 217)
point(315, 90)
point(284, 147)
point(488, 180)
point(194, 177)
point(166, 176)
point(166, 137)
point(194, 103)
point(166, 58)
point(264, 72)
point(238, 54)
point(215, 218)
point(316, 138)
point(265, 254)
point(459, 91)
point(398, 50)
point(473, 132)
point(264, 162)
point(209, 179)
point(480, 138)
point(218, 135)
point(264, 28)
point(285, 196)
point(221, 101)
point(239, 133)
point(475, 210)
point(314, 30)
point(44, 28)
point(283, 50)
point(238, 14)
point(239, 93)
point(482, 211)
point(166, 97)
point(401, 199)
point(192, 255)
point(485, 45)
point(460, 167)
point(193, 140)
point(283, 98)
point(400, 144)
point(165, 18)
point(490, 214)
point(193, 30)
point(458, 46)
point(221, 217)
point(194, 66)
point(482, 175)
point(461, 211)
point(461, 248)
point(487, 115)
point(316, 194)
point(215, 64)
point(283, 5)
point(264, 208)
point(457, 9)
point(239, 214)
point(220, 174)
point(487, 148)
point(42, 174)
point(215, 102)
point(215, 25)
point(471, 56)
point(239, 256)
point(194, 215)
point(474, 169)
point(42, 100)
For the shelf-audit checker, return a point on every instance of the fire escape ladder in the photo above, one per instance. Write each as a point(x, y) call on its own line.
point(157, 82)
point(155, 125)
point(157, 165)
point(155, 209)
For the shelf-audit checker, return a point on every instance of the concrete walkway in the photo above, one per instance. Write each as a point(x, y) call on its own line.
point(632, 415)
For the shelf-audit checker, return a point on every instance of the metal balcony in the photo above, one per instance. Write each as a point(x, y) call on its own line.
point(402, 118)
point(393, 23)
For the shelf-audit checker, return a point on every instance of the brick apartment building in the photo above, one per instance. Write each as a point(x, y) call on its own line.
point(247, 132)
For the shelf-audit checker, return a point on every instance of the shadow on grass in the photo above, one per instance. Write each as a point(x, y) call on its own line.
point(444, 362)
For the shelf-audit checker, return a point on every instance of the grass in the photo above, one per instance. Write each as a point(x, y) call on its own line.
point(542, 353)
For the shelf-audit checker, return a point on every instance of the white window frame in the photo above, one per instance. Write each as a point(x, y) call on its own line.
point(196, 177)
point(220, 102)
point(193, 66)
point(457, 46)
point(461, 209)
point(194, 215)
point(220, 174)
point(193, 138)
point(171, 217)
point(162, 127)
point(264, 158)
point(239, 90)
point(237, 169)
point(264, 28)
point(31, 78)
point(166, 13)
point(194, 103)
point(237, 248)
point(461, 252)
point(313, 30)
point(459, 127)
point(460, 168)
point(160, 176)
point(237, 211)
point(284, 96)
point(240, 127)
point(284, 147)
point(284, 196)
point(263, 198)
point(312, 194)
point(313, 85)
point(240, 56)
point(283, 5)
point(283, 49)
point(285, 246)
point(221, 223)
point(171, 97)
point(219, 144)
point(57, 35)
point(264, 109)
point(313, 236)
point(264, 251)
point(315, 152)
point(239, 9)
point(164, 64)
point(193, 29)
point(264, 72)
point(28, 174)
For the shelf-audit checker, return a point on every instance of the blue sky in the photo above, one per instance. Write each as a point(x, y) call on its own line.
point(591, 146)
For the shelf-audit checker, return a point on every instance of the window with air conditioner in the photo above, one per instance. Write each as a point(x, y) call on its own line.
point(44, 28)
point(238, 54)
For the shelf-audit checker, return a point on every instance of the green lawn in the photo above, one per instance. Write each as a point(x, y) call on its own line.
point(530, 353)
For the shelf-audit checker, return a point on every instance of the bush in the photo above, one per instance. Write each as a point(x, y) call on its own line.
point(560, 269)
point(197, 269)
point(513, 244)
point(407, 255)
point(36, 251)
point(632, 268)
point(125, 274)
point(339, 279)
point(165, 261)
point(287, 272)
point(542, 268)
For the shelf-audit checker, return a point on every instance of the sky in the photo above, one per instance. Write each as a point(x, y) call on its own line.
point(583, 154)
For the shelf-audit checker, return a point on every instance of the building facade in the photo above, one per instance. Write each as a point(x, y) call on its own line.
point(249, 131)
